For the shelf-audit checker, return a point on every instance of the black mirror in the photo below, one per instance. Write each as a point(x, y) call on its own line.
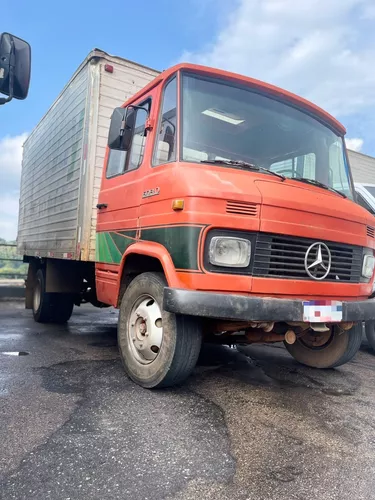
point(121, 128)
point(15, 64)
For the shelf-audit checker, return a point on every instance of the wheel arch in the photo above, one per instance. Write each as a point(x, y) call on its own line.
point(143, 257)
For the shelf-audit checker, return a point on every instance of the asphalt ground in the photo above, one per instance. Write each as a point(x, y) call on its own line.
point(246, 425)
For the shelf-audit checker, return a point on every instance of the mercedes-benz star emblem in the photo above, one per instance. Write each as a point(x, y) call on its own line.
point(318, 261)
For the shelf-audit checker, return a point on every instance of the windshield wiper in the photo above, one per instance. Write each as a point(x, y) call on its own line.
point(257, 168)
point(319, 184)
point(245, 164)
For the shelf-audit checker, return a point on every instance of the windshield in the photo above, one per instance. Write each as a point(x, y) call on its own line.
point(221, 121)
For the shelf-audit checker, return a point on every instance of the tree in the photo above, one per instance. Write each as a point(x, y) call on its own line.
point(11, 265)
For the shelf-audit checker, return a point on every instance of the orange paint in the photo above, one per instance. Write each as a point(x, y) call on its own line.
point(289, 208)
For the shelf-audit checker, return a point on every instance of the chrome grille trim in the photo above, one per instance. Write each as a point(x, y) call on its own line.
point(283, 256)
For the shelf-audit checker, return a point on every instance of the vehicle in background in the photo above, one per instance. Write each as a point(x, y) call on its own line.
point(366, 198)
point(15, 67)
point(222, 211)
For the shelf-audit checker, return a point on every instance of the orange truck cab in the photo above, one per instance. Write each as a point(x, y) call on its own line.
point(226, 211)
point(226, 214)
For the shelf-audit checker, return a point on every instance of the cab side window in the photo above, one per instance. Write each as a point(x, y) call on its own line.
point(165, 144)
point(120, 162)
point(137, 147)
point(116, 163)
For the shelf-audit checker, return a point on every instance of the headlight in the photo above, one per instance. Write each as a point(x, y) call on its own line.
point(229, 252)
point(368, 266)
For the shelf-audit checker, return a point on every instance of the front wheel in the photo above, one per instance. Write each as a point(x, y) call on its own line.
point(327, 349)
point(157, 348)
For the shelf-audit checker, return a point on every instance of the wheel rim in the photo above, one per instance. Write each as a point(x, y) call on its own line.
point(317, 340)
point(145, 329)
point(37, 296)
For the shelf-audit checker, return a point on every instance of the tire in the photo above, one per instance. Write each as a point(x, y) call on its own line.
point(62, 307)
point(370, 333)
point(157, 348)
point(339, 348)
point(50, 307)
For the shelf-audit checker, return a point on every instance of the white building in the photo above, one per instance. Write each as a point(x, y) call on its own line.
point(363, 167)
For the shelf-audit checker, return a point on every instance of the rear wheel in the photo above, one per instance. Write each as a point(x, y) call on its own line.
point(370, 333)
point(326, 349)
point(157, 348)
point(50, 307)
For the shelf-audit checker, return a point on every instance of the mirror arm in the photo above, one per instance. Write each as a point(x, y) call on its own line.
point(4, 100)
point(138, 107)
point(122, 128)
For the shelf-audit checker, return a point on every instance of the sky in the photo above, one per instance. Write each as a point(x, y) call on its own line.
point(323, 50)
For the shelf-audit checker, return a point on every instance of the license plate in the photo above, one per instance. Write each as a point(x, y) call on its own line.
point(322, 311)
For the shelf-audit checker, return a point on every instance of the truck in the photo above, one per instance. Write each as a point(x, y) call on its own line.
point(365, 196)
point(363, 168)
point(206, 206)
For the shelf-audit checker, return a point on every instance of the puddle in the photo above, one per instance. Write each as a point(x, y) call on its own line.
point(338, 392)
point(11, 336)
point(15, 353)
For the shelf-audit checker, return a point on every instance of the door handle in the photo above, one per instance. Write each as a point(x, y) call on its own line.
point(101, 205)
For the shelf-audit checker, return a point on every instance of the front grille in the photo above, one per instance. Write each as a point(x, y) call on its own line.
point(284, 256)
point(370, 232)
point(242, 208)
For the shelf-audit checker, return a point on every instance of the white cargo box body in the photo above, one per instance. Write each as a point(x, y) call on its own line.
point(63, 159)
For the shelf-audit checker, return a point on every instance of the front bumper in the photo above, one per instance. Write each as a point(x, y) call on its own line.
point(244, 308)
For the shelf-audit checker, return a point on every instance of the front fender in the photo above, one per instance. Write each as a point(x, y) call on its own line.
point(157, 251)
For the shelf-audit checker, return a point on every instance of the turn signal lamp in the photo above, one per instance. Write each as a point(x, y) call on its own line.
point(178, 205)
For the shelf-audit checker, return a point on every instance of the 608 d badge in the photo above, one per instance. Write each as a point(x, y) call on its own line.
point(151, 192)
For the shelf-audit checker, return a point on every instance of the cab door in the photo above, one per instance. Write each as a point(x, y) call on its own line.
point(118, 204)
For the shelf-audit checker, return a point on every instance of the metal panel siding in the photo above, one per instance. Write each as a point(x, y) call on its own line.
point(362, 166)
point(51, 174)
point(115, 88)
point(63, 159)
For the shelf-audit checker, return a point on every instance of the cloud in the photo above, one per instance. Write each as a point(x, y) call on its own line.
point(369, 11)
point(10, 161)
point(355, 144)
point(9, 216)
point(10, 172)
point(321, 49)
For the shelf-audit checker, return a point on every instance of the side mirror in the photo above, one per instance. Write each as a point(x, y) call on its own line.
point(121, 129)
point(15, 64)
